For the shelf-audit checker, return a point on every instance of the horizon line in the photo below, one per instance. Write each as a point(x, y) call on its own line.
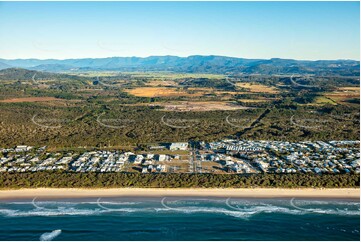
point(71, 58)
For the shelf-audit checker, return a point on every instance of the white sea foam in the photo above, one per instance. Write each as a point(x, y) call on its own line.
point(115, 203)
point(70, 203)
point(239, 211)
point(315, 202)
point(337, 211)
point(49, 212)
point(64, 212)
point(50, 236)
point(243, 212)
point(340, 212)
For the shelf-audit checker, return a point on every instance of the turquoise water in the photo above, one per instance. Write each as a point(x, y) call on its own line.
point(182, 218)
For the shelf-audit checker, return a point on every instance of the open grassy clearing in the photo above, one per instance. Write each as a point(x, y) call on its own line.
point(159, 92)
point(324, 100)
point(30, 99)
point(95, 73)
point(171, 75)
point(174, 92)
point(253, 100)
point(350, 89)
point(155, 83)
point(209, 90)
point(258, 88)
point(342, 94)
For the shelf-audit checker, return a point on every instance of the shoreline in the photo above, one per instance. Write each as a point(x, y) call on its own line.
point(338, 193)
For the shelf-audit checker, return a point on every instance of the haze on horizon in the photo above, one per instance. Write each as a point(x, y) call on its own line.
point(255, 30)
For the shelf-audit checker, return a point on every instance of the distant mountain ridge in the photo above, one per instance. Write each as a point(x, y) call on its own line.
point(196, 63)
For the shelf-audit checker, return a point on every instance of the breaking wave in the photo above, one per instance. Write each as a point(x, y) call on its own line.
point(70, 203)
point(315, 202)
point(50, 235)
point(239, 212)
point(60, 212)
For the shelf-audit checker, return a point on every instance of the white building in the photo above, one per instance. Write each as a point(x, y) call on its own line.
point(162, 157)
point(22, 148)
point(178, 146)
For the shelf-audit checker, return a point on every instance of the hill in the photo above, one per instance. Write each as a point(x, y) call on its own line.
point(21, 74)
point(192, 64)
point(4, 66)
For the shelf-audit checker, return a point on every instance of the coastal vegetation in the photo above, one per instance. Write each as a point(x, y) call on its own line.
point(175, 180)
point(95, 125)
point(112, 109)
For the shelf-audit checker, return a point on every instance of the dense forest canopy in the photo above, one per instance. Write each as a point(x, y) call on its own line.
point(114, 180)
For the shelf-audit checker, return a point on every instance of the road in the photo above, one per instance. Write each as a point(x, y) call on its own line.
point(195, 165)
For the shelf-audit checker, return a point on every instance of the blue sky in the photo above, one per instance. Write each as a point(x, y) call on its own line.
point(297, 30)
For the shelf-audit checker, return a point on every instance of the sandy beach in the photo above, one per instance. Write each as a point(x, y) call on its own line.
point(195, 192)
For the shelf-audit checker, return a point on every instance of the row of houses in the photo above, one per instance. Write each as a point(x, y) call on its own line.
point(92, 161)
point(233, 156)
point(291, 157)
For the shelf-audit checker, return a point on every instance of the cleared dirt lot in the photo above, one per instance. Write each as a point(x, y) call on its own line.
point(202, 106)
point(185, 106)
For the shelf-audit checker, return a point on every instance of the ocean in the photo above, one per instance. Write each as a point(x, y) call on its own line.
point(179, 218)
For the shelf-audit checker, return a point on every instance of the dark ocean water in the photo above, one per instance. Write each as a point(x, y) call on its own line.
point(180, 219)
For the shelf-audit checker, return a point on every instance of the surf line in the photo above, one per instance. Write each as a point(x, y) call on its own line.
point(185, 202)
point(310, 210)
point(39, 207)
point(110, 209)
